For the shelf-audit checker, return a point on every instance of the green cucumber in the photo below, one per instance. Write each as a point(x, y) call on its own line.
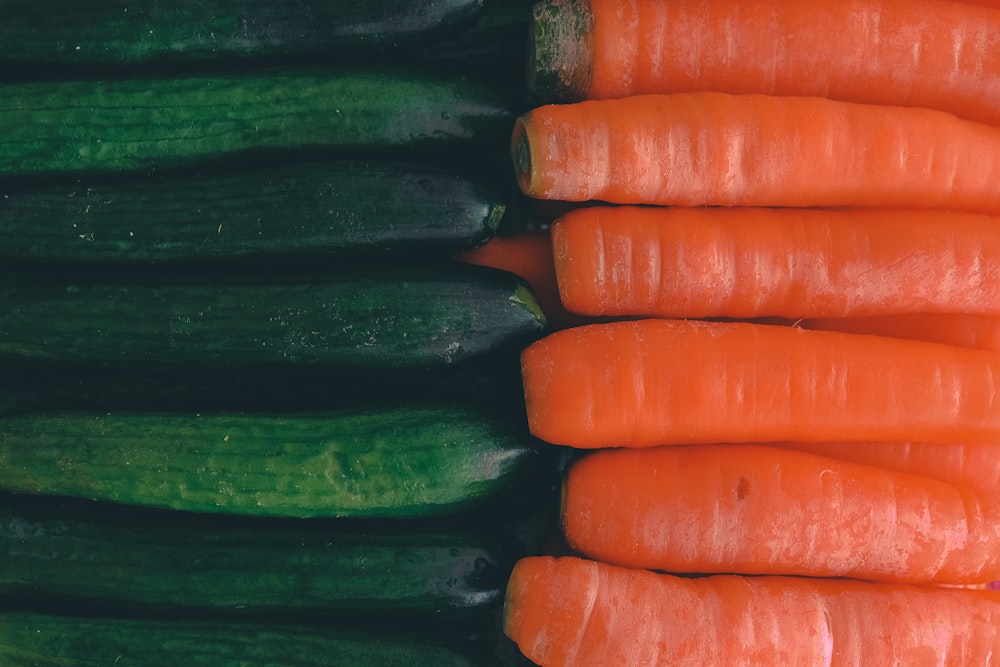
point(338, 209)
point(31, 639)
point(420, 317)
point(156, 122)
point(143, 32)
point(176, 562)
point(386, 462)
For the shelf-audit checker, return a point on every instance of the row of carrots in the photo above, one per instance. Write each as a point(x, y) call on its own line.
point(752, 190)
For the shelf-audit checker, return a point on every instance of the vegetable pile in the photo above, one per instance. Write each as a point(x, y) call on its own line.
point(772, 257)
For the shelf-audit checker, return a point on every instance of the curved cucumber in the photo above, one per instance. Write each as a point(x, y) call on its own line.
point(383, 462)
point(333, 209)
point(146, 123)
point(176, 561)
point(425, 317)
point(44, 640)
point(142, 32)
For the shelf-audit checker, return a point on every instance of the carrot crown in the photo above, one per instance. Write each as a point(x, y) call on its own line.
point(559, 50)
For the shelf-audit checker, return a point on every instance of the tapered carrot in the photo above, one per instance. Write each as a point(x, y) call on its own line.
point(794, 263)
point(976, 331)
point(923, 53)
point(653, 382)
point(755, 150)
point(579, 613)
point(753, 509)
point(528, 255)
point(966, 465)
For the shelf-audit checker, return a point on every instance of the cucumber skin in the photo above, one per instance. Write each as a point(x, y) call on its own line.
point(150, 32)
point(384, 462)
point(30, 639)
point(340, 209)
point(151, 122)
point(182, 562)
point(421, 318)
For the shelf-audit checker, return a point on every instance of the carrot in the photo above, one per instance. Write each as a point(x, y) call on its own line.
point(574, 612)
point(528, 255)
point(976, 331)
point(793, 263)
point(711, 148)
point(966, 465)
point(921, 53)
point(754, 509)
point(653, 382)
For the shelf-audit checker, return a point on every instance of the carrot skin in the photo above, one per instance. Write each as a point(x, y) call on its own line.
point(711, 148)
point(656, 382)
point(575, 612)
point(921, 53)
point(753, 509)
point(973, 466)
point(980, 332)
point(793, 263)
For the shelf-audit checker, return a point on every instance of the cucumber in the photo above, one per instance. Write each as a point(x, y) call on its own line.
point(419, 317)
point(339, 209)
point(387, 461)
point(31, 639)
point(157, 122)
point(146, 32)
point(178, 563)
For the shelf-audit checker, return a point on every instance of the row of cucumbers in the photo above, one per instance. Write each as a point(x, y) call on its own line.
point(252, 411)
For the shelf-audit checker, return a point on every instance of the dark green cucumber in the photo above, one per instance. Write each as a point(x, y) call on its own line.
point(30, 639)
point(175, 562)
point(143, 32)
point(331, 209)
point(145, 123)
point(423, 317)
point(391, 461)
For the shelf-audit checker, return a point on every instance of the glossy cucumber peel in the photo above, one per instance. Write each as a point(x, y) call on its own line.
point(336, 209)
point(384, 462)
point(155, 122)
point(149, 32)
point(425, 317)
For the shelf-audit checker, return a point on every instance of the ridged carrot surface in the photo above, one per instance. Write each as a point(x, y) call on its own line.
point(923, 53)
point(795, 263)
point(753, 509)
point(578, 613)
point(653, 382)
point(976, 331)
point(966, 465)
point(711, 148)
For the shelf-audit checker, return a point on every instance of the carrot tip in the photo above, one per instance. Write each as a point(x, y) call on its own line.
point(558, 63)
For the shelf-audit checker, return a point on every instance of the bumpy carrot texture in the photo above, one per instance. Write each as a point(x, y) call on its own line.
point(753, 509)
point(755, 150)
point(578, 613)
point(966, 465)
point(965, 330)
point(793, 263)
point(653, 382)
point(923, 53)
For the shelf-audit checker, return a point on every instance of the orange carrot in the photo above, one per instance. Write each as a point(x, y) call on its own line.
point(653, 382)
point(966, 465)
point(578, 613)
point(753, 509)
point(754, 150)
point(921, 53)
point(793, 263)
point(528, 255)
point(976, 331)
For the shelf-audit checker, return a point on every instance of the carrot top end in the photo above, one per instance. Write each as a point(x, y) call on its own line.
point(520, 154)
point(558, 60)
